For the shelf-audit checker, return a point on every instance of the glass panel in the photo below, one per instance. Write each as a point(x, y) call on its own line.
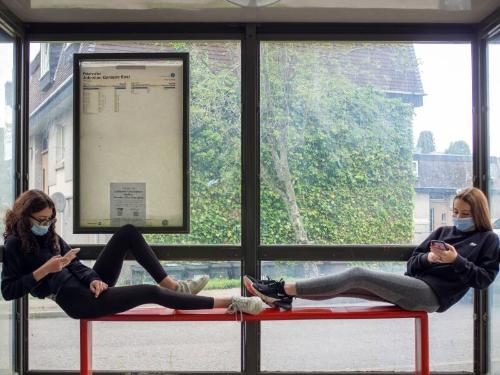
point(494, 186)
point(357, 345)
point(7, 184)
point(7, 336)
point(142, 346)
point(215, 177)
point(362, 142)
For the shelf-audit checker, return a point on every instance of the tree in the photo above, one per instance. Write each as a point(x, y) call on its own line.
point(425, 144)
point(458, 148)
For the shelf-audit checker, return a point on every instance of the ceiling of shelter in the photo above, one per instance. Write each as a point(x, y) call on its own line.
point(399, 11)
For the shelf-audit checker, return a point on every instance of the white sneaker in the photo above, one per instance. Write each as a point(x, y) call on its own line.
point(192, 286)
point(249, 305)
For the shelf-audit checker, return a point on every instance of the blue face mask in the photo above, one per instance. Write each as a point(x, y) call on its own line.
point(39, 230)
point(465, 224)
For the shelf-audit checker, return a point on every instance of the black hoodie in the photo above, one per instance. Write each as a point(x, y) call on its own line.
point(475, 266)
point(18, 267)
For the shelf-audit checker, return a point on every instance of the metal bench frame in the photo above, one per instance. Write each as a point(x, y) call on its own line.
point(299, 313)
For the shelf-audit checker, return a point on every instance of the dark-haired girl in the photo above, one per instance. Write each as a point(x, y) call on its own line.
point(39, 262)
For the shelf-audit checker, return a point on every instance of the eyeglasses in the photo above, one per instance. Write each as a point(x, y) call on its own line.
point(44, 222)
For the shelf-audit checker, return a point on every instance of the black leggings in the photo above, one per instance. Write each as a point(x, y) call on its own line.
point(79, 302)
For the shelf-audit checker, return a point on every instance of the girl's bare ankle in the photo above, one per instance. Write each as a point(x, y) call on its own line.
point(290, 289)
point(168, 283)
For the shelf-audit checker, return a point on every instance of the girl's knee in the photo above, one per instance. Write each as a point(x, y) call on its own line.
point(127, 231)
point(359, 275)
point(356, 271)
point(128, 228)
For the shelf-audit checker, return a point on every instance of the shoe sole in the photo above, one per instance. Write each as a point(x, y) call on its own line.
point(248, 285)
point(283, 305)
point(271, 302)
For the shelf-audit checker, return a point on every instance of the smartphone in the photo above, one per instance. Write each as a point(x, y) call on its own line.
point(72, 253)
point(441, 245)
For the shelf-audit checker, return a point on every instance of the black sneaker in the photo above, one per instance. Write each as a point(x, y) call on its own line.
point(285, 303)
point(270, 291)
point(254, 280)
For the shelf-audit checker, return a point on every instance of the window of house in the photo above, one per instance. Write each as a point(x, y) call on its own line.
point(60, 144)
point(44, 58)
point(415, 168)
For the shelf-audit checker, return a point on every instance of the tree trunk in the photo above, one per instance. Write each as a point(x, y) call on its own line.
point(276, 138)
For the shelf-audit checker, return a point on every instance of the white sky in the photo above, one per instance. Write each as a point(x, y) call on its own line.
point(445, 70)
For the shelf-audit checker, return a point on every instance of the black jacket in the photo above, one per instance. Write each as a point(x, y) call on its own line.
point(18, 267)
point(475, 267)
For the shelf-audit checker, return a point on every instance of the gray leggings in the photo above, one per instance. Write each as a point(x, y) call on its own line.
point(406, 292)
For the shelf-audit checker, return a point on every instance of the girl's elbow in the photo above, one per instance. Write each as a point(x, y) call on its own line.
point(483, 283)
point(8, 295)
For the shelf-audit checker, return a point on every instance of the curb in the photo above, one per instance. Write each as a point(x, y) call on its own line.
point(47, 315)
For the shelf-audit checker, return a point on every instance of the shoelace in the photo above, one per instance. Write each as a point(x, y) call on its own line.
point(185, 286)
point(270, 281)
point(274, 284)
point(234, 308)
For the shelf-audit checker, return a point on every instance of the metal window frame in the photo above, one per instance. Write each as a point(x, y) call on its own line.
point(250, 252)
point(490, 29)
point(14, 28)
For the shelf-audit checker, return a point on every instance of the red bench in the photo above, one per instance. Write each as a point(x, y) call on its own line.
point(300, 313)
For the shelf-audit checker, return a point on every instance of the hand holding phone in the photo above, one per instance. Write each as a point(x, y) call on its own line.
point(442, 252)
point(440, 245)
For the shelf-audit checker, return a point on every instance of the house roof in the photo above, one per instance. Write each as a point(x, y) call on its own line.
point(443, 171)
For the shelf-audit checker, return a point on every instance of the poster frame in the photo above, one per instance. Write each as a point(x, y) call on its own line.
point(78, 227)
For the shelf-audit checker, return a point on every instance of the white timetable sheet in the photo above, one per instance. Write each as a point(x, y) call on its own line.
point(131, 137)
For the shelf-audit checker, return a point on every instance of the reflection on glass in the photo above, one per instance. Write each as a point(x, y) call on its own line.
point(215, 107)
point(362, 142)
point(494, 188)
point(7, 135)
point(357, 345)
point(142, 346)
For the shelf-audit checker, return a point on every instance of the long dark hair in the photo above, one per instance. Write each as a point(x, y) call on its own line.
point(17, 220)
point(479, 207)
